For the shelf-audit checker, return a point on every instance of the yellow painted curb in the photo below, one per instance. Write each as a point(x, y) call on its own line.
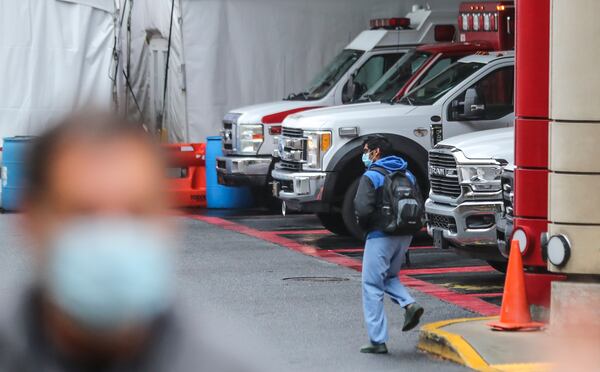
point(520, 367)
point(454, 347)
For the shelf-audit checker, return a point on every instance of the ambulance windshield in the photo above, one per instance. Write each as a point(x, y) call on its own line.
point(395, 78)
point(329, 76)
point(433, 89)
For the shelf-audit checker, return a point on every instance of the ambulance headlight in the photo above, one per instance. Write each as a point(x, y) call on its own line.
point(317, 144)
point(251, 138)
point(481, 177)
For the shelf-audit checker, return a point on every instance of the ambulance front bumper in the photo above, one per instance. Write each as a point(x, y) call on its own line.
point(243, 171)
point(301, 191)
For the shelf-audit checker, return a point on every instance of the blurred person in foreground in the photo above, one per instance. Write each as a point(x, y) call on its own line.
point(102, 297)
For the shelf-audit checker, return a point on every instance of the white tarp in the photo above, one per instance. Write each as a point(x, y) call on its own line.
point(55, 55)
point(150, 19)
point(230, 53)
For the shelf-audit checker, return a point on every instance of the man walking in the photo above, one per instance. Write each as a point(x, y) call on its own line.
point(385, 250)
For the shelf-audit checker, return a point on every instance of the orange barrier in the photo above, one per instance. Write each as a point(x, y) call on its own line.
point(514, 315)
point(188, 184)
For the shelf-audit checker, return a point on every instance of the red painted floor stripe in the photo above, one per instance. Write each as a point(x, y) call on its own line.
point(466, 302)
point(346, 250)
point(447, 270)
point(285, 242)
point(484, 295)
point(422, 247)
point(301, 232)
point(360, 249)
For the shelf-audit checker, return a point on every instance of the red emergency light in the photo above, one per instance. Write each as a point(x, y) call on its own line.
point(444, 33)
point(389, 23)
point(470, 21)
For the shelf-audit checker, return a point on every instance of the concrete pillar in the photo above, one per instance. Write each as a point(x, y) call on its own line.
point(574, 137)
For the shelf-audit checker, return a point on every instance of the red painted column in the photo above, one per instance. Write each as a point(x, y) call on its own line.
point(531, 139)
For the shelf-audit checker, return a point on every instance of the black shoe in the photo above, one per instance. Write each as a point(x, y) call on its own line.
point(374, 349)
point(412, 316)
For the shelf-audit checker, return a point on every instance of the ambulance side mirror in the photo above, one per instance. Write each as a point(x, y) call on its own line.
point(469, 109)
point(349, 90)
point(473, 108)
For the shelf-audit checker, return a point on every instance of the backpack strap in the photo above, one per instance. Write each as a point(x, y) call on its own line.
point(381, 170)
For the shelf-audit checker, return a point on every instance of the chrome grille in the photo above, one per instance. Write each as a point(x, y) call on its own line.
point(291, 132)
point(228, 135)
point(443, 184)
point(507, 181)
point(442, 159)
point(292, 146)
point(442, 222)
point(288, 165)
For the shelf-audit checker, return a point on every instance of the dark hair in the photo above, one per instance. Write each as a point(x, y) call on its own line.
point(89, 126)
point(379, 142)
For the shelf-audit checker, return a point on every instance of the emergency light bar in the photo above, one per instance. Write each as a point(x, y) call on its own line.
point(491, 21)
point(469, 22)
point(389, 23)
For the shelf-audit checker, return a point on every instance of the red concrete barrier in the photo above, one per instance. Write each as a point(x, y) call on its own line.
point(188, 183)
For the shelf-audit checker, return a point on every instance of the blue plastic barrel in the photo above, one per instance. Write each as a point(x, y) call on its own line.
point(218, 196)
point(14, 153)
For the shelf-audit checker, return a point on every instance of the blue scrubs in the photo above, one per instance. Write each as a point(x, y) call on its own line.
point(382, 260)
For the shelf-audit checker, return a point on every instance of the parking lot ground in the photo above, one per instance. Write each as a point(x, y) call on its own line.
point(465, 282)
point(276, 286)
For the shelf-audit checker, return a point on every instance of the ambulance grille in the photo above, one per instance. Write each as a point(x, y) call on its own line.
point(288, 165)
point(507, 181)
point(291, 132)
point(442, 222)
point(442, 185)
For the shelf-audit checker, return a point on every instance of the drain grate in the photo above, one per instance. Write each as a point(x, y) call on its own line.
point(318, 279)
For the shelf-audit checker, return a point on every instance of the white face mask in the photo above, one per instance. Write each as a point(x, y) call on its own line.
point(106, 273)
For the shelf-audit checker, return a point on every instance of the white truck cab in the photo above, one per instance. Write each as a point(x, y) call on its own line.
point(466, 198)
point(319, 151)
point(249, 133)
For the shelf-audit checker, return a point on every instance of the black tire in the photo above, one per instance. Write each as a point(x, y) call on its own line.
point(499, 265)
point(348, 212)
point(333, 222)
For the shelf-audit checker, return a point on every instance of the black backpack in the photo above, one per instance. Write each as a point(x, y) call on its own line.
point(401, 211)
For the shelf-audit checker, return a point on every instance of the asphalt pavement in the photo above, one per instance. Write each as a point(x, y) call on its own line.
point(284, 305)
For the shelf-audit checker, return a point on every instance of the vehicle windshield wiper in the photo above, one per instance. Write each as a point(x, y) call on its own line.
point(405, 99)
point(292, 96)
point(368, 97)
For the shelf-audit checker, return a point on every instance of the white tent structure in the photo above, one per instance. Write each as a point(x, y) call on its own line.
point(225, 54)
point(57, 55)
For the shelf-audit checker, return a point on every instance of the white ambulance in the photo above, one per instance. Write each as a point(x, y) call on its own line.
point(249, 133)
point(320, 150)
point(469, 197)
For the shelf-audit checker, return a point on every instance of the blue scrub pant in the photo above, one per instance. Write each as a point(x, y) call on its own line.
point(382, 260)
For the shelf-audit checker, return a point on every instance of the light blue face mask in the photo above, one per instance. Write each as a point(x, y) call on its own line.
point(365, 159)
point(107, 273)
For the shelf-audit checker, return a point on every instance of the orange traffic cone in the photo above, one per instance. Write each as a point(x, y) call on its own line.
point(514, 315)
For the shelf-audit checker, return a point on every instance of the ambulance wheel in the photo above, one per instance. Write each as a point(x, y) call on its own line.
point(348, 212)
point(333, 222)
point(499, 265)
